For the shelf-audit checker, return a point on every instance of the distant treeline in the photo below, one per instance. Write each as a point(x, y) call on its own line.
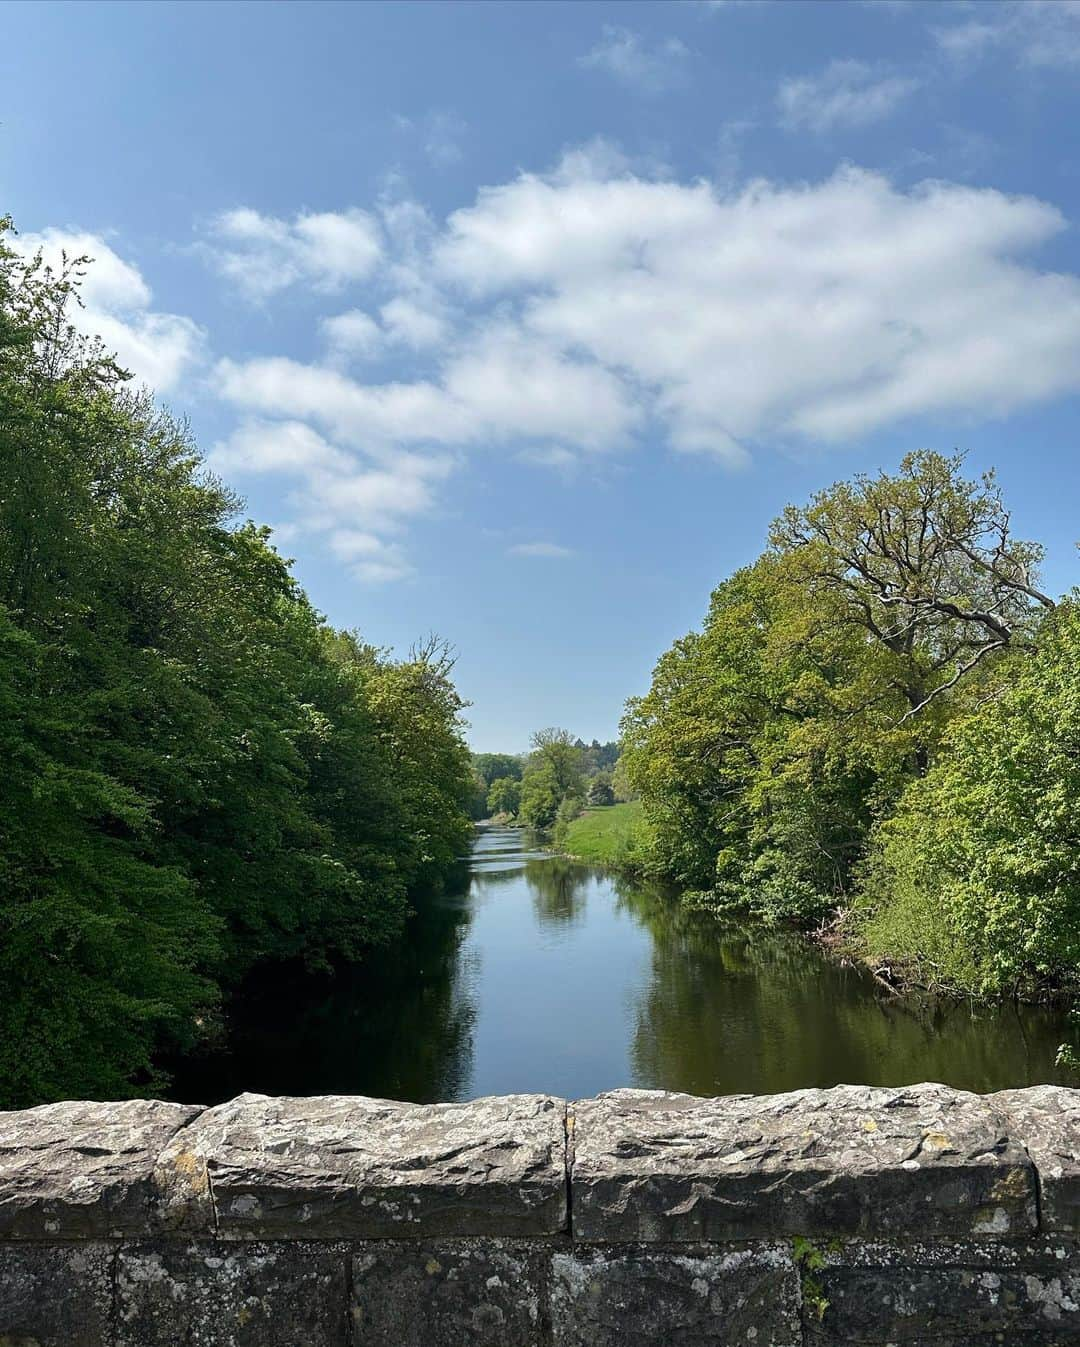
point(554, 781)
point(877, 729)
point(198, 773)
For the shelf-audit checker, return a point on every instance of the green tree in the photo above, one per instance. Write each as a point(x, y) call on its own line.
point(504, 797)
point(974, 882)
point(553, 774)
point(822, 681)
point(201, 774)
point(491, 766)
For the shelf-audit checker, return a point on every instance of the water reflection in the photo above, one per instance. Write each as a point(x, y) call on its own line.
point(559, 892)
point(541, 974)
point(731, 1009)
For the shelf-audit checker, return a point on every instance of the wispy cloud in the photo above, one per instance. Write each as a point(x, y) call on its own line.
point(439, 134)
point(263, 254)
point(624, 54)
point(579, 307)
point(1042, 33)
point(158, 348)
point(356, 503)
point(844, 94)
point(353, 333)
point(562, 315)
point(370, 559)
point(548, 551)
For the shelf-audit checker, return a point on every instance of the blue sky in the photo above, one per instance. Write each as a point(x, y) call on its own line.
point(521, 321)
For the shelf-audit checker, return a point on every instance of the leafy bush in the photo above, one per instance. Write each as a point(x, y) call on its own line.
point(975, 880)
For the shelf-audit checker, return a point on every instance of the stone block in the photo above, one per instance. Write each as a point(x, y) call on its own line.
point(237, 1295)
point(854, 1160)
point(86, 1171)
point(676, 1298)
point(55, 1295)
point(355, 1168)
point(419, 1293)
point(1046, 1120)
point(966, 1295)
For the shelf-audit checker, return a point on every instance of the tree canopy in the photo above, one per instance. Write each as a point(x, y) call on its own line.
point(863, 731)
point(200, 773)
point(553, 775)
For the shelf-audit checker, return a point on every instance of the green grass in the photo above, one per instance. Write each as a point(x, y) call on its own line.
point(604, 835)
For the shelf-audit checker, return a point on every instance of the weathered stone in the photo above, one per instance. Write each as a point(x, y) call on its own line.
point(665, 1298)
point(1046, 1119)
point(55, 1295)
point(852, 1160)
point(81, 1170)
point(288, 1294)
point(946, 1296)
point(416, 1293)
point(338, 1167)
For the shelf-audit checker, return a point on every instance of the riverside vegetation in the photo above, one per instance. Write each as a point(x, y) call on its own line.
point(876, 732)
point(199, 774)
point(878, 729)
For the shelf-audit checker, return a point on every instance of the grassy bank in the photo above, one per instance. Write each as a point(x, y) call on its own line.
point(604, 835)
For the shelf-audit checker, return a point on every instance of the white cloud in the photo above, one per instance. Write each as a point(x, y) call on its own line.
point(370, 559)
point(277, 446)
point(413, 324)
point(374, 417)
point(549, 551)
point(353, 333)
point(824, 310)
point(845, 93)
point(622, 53)
point(507, 384)
point(263, 254)
point(578, 309)
point(158, 348)
point(513, 384)
point(1039, 33)
point(343, 496)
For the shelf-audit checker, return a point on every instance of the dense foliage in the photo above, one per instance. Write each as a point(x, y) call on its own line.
point(496, 784)
point(199, 773)
point(557, 777)
point(554, 779)
point(974, 880)
point(872, 725)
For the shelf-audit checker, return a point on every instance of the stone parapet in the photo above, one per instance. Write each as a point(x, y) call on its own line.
point(920, 1215)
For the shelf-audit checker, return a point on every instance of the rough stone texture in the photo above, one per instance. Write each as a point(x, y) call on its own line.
point(81, 1170)
point(676, 1298)
point(1046, 1119)
point(55, 1295)
point(338, 1167)
point(486, 1293)
point(852, 1160)
point(916, 1217)
point(290, 1294)
point(951, 1296)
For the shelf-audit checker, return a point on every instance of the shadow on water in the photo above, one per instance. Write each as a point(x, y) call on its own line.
point(537, 973)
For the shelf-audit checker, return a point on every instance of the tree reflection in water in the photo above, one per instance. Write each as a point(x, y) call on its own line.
point(732, 1008)
point(543, 974)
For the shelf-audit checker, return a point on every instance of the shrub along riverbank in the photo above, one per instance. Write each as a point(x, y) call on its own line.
point(199, 773)
point(877, 728)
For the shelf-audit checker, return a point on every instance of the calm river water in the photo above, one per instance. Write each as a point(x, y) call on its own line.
point(540, 974)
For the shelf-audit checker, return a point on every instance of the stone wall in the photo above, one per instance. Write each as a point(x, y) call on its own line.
point(920, 1216)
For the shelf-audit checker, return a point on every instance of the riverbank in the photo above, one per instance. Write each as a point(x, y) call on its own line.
point(613, 837)
point(609, 835)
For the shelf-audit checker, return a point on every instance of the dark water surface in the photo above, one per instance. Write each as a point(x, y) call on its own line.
point(540, 974)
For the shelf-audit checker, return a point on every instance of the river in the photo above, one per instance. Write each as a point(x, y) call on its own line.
point(536, 973)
